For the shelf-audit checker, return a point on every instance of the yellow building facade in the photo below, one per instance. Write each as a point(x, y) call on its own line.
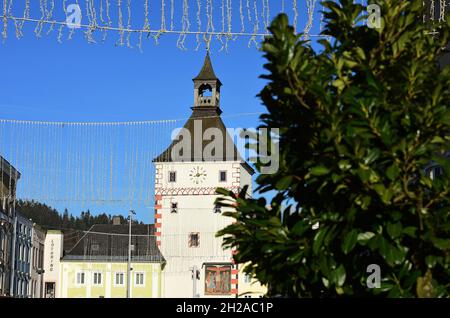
point(97, 265)
point(109, 280)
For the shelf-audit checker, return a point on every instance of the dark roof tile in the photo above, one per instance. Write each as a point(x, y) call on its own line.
point(105, 242)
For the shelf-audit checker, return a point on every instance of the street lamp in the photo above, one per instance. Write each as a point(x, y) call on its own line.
point(130, 219)
point(40, 272)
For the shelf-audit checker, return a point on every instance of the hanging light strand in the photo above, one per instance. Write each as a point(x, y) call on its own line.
point(61, 27)
point(40, 23)
point(5, 20)
point(185, 26)
point(129, 23)
point(26, 14)
point(241, 15)
point(99, 20)
point(255, 25)
point(199, 24)
point(442, 6)
point(311, 4)
point(121, 27)
point(210, 25)
point(294, 7)
point(172, 13)
point(50, 15)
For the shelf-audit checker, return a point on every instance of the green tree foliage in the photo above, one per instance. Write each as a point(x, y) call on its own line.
point(50, 218)
point(359, 120)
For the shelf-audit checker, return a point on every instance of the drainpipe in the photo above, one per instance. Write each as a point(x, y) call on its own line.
point(31, 259)
point(13, 258)
point(129, 269)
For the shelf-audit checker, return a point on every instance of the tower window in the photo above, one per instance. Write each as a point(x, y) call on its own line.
point(223, 176)
point(194, 240)
point(205, 90)
point(174, 207)
point(172, 176)
point(217, 209)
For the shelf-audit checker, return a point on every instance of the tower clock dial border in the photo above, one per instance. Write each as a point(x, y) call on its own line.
point(197, 175)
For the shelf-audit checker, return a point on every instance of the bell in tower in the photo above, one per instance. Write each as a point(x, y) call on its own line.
point(207, 87)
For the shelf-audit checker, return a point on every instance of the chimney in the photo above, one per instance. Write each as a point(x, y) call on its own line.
point(116, 220)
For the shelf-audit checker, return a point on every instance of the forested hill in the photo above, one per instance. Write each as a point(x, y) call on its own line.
point(49, 218)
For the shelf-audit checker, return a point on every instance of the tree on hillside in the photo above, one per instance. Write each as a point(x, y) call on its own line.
point(65, 219)
point(50, 218)
point(359, 120)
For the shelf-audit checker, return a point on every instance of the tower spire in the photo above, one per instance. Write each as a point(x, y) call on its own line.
point(207, 71)
point(207, 87)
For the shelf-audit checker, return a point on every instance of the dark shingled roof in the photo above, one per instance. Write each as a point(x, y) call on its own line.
point(208, 117)
point(8, 169)
point(9, 177)
point(207, 71)
point(107, 242)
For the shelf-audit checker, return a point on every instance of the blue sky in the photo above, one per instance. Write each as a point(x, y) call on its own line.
point(75, 81)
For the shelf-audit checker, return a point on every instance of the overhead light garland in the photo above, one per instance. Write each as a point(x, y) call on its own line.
point(213, 19)
point(87, 163)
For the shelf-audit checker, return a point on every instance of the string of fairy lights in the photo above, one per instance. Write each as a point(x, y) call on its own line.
point(205, 20)
point(88, 163)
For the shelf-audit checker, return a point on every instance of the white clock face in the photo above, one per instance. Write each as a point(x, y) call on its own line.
point(197, 175)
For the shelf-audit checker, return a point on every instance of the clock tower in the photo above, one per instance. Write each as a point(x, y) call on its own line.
point(200, 159)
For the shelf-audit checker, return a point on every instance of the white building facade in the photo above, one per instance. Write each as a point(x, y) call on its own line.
point(186, 217)
point(37, 262)
point(53, 252)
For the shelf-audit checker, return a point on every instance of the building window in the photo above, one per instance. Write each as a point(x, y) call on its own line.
point(119, 279)
point(80, 278)
point(435, 172)
point(172, 176)
point(194, 240)
point(97, 278)
point(217, 209)
point(247, 279)
point(222, 176)
point(33, 257)
point(139, 279)
point(174, 207)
